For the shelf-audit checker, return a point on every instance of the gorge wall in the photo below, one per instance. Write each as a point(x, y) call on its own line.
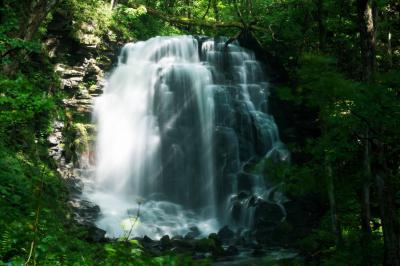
point(240, 134)
point(179, 122)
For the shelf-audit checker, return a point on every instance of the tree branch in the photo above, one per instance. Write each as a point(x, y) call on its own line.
point(10, 51)
point(208, 9)
point(183, 21)
point(239, 14)
point(232, 39)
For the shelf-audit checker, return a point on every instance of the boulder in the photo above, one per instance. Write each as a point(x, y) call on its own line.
point(193, 233)
point(182, 245)
point(204, 245)
point(268, 215)
point(258, 252)
point(215, 238)
point(165, 242)
point(236, 211)
point(147, 239)
point(85, 212)
point(225, 234)
point(95, 234)
point(232, 251)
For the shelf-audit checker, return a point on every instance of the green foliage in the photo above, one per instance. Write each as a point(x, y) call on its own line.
point(135, 24)
point(28, 188)
point(22, 104)
point(88, 17)
point(295, 180)
point(346, 109)
point(10, 42)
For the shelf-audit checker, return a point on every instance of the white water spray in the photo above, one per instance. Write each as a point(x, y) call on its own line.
point(157, 123)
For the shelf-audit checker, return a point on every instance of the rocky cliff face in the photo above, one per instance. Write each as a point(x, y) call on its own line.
point(82, 67)
point(80, 64)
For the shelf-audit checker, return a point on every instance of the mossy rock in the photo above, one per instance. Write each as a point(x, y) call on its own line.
point(205, 245)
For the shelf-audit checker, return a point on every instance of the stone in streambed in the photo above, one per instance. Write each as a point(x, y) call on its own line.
point(232, 251)
point(258, 251)
point(179, 237)
point(243, 195)
point(182, 245)
point(198, 256)
point(147, 239)
point(216, 249)
point(225, 234)
point(95, 234)
point(215, 238)
point(165, 242)
point(236, 211)
point(204, 245)
point(194, 232)
point(147, 242)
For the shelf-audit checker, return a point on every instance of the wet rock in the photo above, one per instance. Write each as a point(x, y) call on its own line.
point(150, 245)
point(85, 212)
point(240, 241)
point(218, 251)
point(268, 215)
point(53, 140)
point(69, 71)
point(244, 238)
point(194, 232)
point(74, 185)
point(183, 245)
point(232, 251)
point(71, 84)
point(58, 125)
point(83, 94)
point(92, 71)
point(204, 245)
point(154, 250)
point(215, 238)
point(198, 256)
point(177, 237)
point(165, 242)
point(147, 239)
point(246, 181)
point(236, 211)
point(242, 195)
point(253, 200)
point(258, 252)
point(95, 234)
point(225, 234)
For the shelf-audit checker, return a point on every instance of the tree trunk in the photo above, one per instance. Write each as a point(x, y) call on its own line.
point(113, 4)
point(32, 17)
point(390, 222)
point(216, 11)
point(366, 10)
point(36, 13)
point(389, 49)
point(189, 9)
point(365, 204)
point(332, 204)
point(321, 26)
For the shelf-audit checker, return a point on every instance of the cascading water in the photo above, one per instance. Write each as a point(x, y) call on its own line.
point(178, 117)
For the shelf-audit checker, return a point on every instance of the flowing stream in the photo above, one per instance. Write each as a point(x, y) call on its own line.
point(179, 119)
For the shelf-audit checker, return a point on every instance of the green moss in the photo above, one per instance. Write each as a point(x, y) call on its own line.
point(82, 140)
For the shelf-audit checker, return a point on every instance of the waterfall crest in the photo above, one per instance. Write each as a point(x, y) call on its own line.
point(178, 117)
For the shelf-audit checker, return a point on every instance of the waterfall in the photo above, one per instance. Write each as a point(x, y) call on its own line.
point(178, 118)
